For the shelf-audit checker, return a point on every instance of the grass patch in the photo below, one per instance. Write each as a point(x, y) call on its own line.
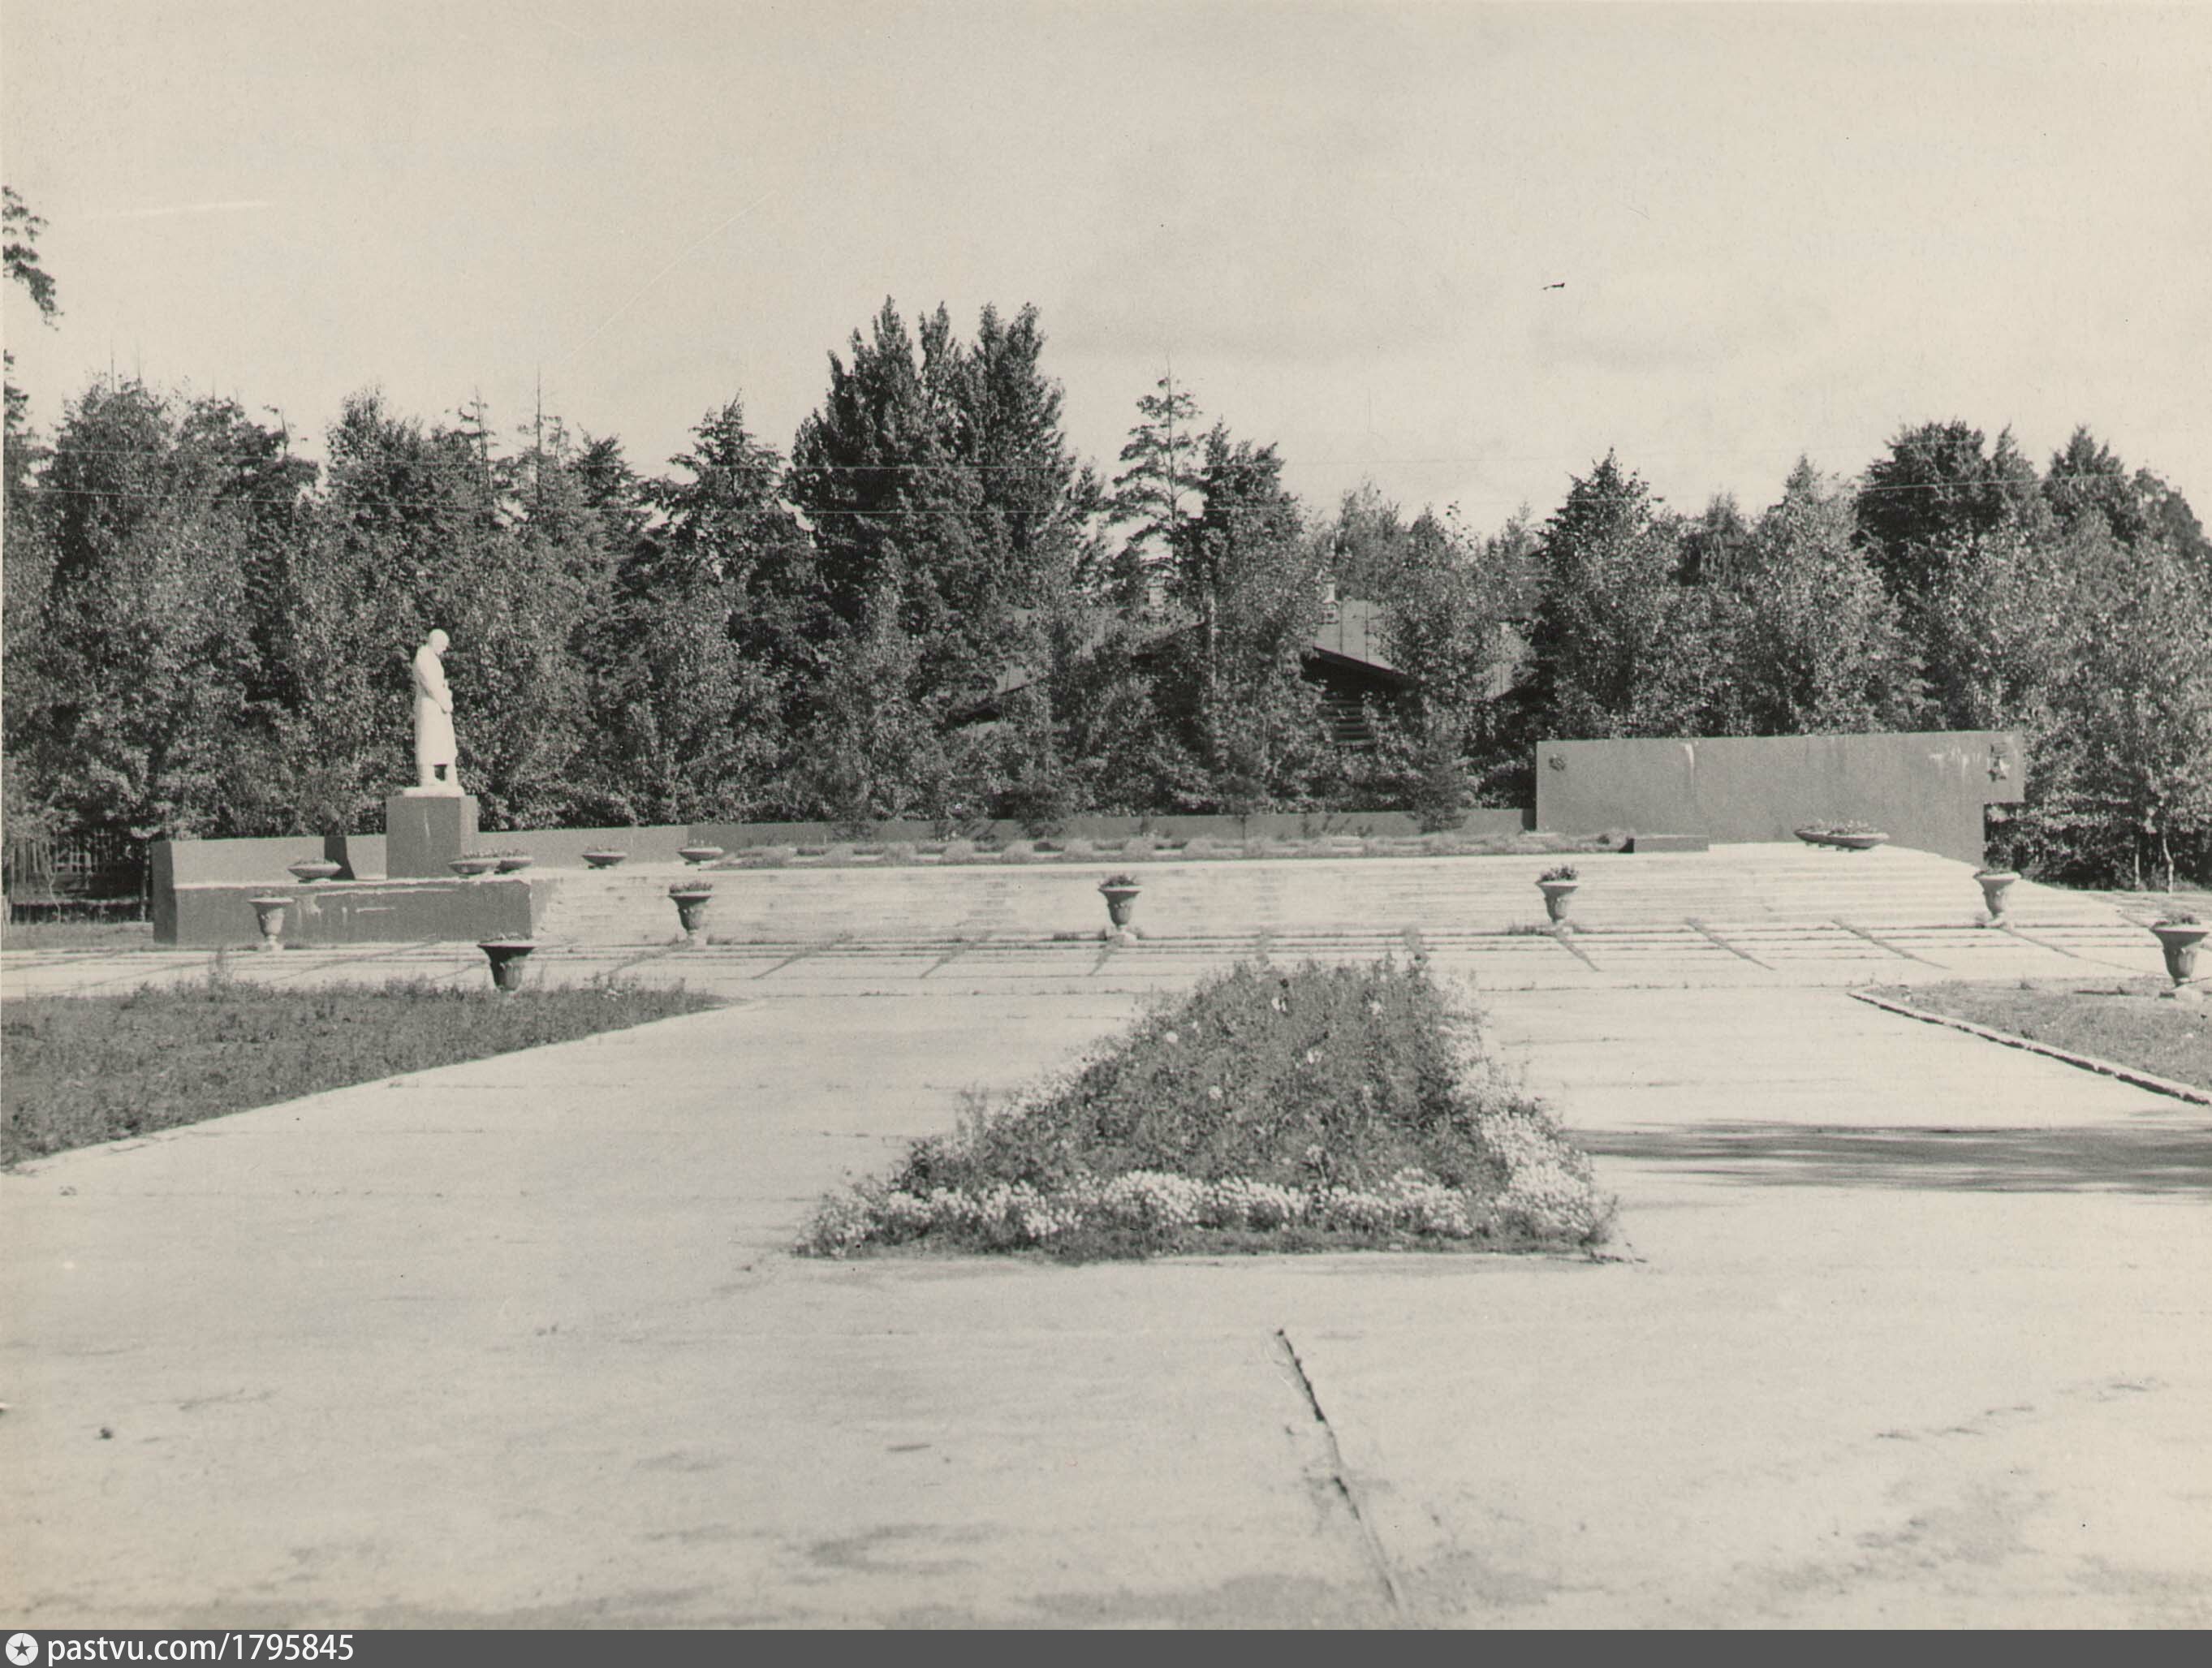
point(80, 1069)
point(76, 935)
point(1325, 1107)
point(2126, 1024)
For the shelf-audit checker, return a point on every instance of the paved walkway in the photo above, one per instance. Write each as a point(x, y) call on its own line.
point(1911, 1330)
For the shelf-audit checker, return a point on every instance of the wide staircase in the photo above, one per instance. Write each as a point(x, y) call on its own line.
point(1746, 888)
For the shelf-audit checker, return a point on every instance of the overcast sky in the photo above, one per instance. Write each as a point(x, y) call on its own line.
point(1777, 228)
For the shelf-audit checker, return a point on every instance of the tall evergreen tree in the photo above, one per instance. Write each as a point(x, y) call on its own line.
point(714, 625)
point(1036, 500)
point(1160, 464)
point(939, 487)
point(1245, 569)
point(897, 511)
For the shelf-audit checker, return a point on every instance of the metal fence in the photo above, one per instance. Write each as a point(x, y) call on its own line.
point(95, 875)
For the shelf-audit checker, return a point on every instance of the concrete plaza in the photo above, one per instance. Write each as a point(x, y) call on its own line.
point(1902, 1327)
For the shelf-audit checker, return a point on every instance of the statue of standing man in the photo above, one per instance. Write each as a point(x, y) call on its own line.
point(437, 757)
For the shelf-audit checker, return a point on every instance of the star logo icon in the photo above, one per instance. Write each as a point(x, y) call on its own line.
point(22, 1650)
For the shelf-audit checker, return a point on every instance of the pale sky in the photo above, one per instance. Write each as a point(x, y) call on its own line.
point(1779, 229)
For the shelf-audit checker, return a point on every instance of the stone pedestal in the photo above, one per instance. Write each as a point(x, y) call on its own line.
point(424, 833)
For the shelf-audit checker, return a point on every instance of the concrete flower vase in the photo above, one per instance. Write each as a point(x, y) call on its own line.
point(1559, 897)
point(691, 899)
point(2180, 941)
point(1995, 883)
point(473, 868)
point(269, 915)
point(603, 859)
point(308, 870)
point(1121, 908)
point(507, 956)
point(699, 855)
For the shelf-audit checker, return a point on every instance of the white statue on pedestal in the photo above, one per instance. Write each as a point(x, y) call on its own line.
point(437, 756)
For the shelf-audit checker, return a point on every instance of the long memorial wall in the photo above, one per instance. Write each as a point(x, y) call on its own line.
point(1928, 790)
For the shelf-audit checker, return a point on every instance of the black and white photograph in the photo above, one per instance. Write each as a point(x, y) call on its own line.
point(1072, 815)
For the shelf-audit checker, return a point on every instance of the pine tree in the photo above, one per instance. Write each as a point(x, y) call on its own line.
point(1159, 483)
point(714, 622)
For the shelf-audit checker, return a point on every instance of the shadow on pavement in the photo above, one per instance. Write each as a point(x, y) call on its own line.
point(2167, 1160)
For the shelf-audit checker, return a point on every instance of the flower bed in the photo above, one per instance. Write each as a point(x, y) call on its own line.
point(1323, 1108)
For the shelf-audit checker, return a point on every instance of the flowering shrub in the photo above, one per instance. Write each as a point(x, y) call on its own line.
point(1549, 1204)
point(1324, 1107)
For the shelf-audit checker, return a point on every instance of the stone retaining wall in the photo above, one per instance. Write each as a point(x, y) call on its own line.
point(1926, 790)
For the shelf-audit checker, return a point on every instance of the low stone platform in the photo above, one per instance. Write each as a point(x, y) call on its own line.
point(355, 912)
point(1732, 890)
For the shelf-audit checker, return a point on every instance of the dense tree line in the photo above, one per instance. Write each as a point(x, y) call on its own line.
point(931, 607)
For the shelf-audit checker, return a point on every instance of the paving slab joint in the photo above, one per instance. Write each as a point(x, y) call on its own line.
point(1700, 928)
point(1883, 944)
point(1377, 1560)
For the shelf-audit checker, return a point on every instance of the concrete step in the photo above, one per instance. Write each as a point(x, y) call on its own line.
point(1743, 887)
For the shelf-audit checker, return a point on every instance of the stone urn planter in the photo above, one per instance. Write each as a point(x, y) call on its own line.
point(2180, 941)
point(1842, 836)
point(603, 859)
point(691, 898)
point(269, 915)
point(472, 868)
point(1119, 892)
point(1558, 889)
point(309, 870)
point(514, 862)
point(1995, 883)
point(507, 956)
point(700, 856)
